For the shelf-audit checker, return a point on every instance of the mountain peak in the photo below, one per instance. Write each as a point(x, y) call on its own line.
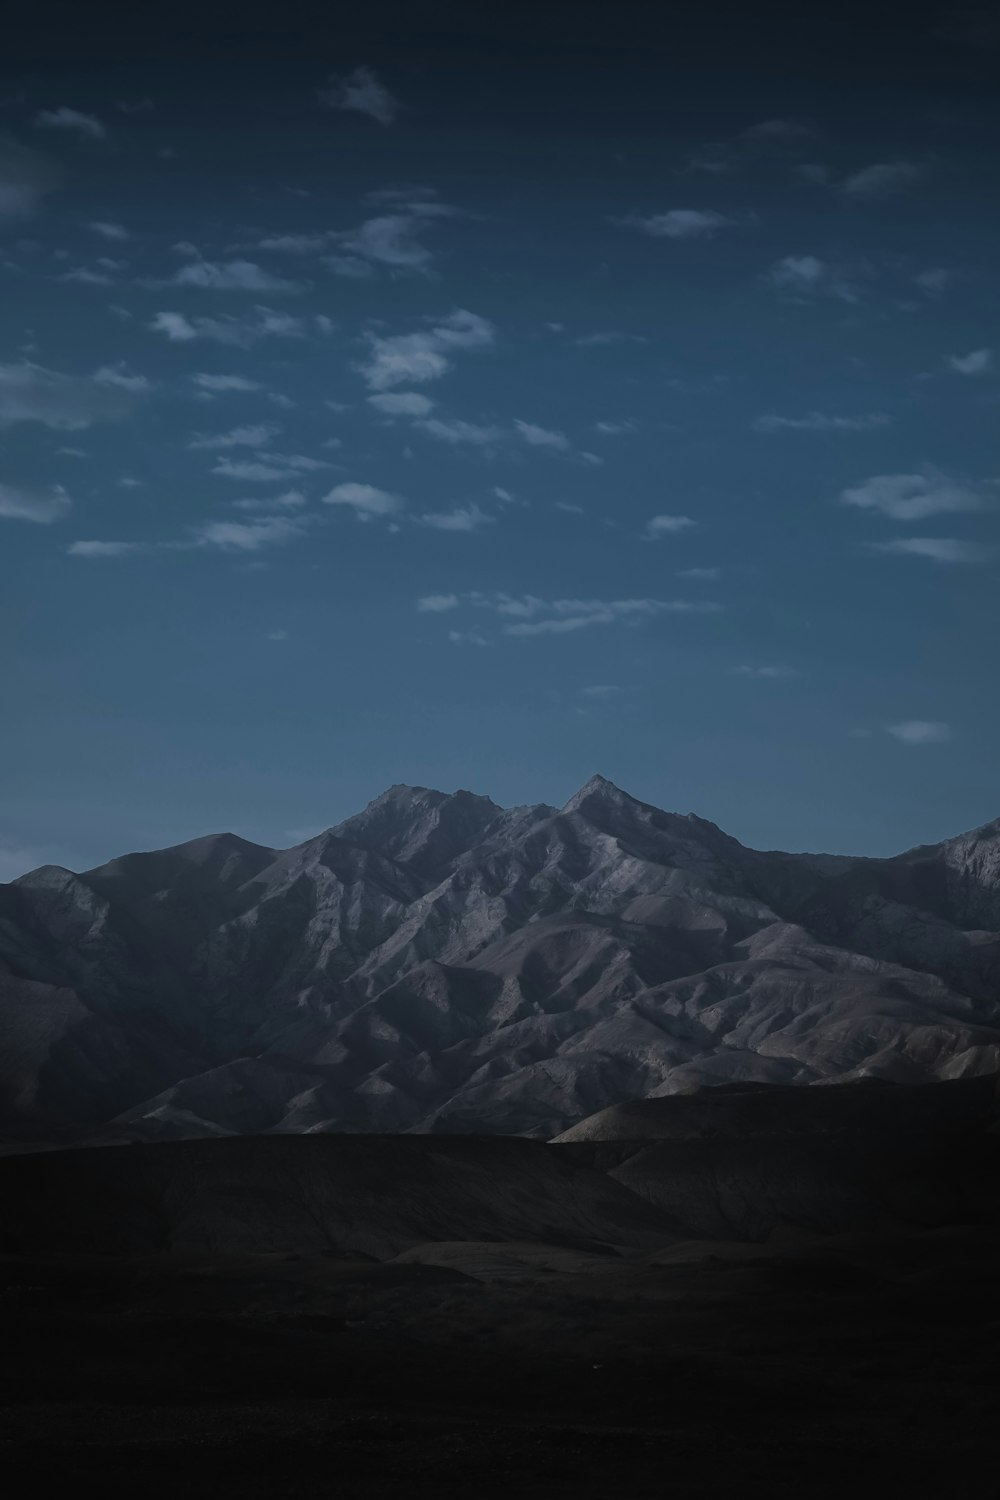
point(601, 789)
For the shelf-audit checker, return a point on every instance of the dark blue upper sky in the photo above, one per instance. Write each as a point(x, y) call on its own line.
point(485, 401)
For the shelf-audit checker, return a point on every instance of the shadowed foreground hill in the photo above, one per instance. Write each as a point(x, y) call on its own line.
point(439, 964)
point(728, 1164)
point(775, 1291)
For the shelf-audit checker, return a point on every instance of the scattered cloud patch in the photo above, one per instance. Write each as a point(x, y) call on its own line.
point(391, 240)
point(882, 178)
point(467, 638)
point(25, 178)
point(365, 500)
point(72, 120)
point(542, 437)
point(978, 362)
point(267, 467)
point(401, 359)
point(658, 527)
point(681, 224)
point(912, 497)
point(109, 231)
point(363, 92)
point(933, 281)
point(772, 672)
point(938, 549)
point(457, 432)
point(819, 421)
point(462, 518)
point(250, 436)
point(263, 323)
point(803, 277)
point(920, 732)
point(437, 604)
point(223, 384)
point(248, 536)
point(27, 503)
point(615, 429)
point(402, 404)
point(533, 616)
point(102, 549)
point(230, 276)
point(290, 500)
point(32, 393)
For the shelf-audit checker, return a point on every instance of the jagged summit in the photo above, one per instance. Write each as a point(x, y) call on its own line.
point(599, 788)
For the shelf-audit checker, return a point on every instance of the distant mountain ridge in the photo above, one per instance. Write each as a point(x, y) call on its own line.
point(439, 963)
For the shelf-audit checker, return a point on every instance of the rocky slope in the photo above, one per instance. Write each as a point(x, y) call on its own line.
point(438, 963)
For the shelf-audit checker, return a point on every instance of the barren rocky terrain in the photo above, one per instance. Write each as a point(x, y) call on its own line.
point(439, 964)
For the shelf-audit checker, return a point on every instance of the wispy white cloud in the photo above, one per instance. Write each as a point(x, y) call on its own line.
point(365, 500)
point(456, 432)
point(462, 518)
point(882, 178)
point(437, 604)
point(262, 323)
point(402, 404)
point(102, 549)
point(223, 384)
point(681, 223)
point(920, 732)
point(821, 421)
point(32, 393)
point(658, 527)
point(780, 131)
point(542, 437)
point(109, 231)
point(363, 92)
point(978, 362)
point(531, 615)
point(912, 497)
point(290, 500)
point(772, 671)
point(933, 281)
point(29, 503)
point(607, 337)
point(88, 276)
point(391, 240)
point(295, 244)
point(73, 120)
point(467, 638)
point(400, 359)
point(230, 276)
point(249, 536)
point(268, 466)
point(806, 276)
point(25, 178)
point(250, 436)
point(700, 575)
point(938, 549)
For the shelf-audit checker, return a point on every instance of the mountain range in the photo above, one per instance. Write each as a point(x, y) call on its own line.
point(440, 964)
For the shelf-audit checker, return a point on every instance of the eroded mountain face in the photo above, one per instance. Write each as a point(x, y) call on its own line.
point(440, 963)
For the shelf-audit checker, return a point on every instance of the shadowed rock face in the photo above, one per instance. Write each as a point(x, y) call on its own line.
point(437, 963)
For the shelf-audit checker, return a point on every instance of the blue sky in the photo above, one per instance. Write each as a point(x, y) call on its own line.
point(483, 404)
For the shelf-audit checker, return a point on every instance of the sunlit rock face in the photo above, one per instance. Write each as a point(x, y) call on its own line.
point(438, 963)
